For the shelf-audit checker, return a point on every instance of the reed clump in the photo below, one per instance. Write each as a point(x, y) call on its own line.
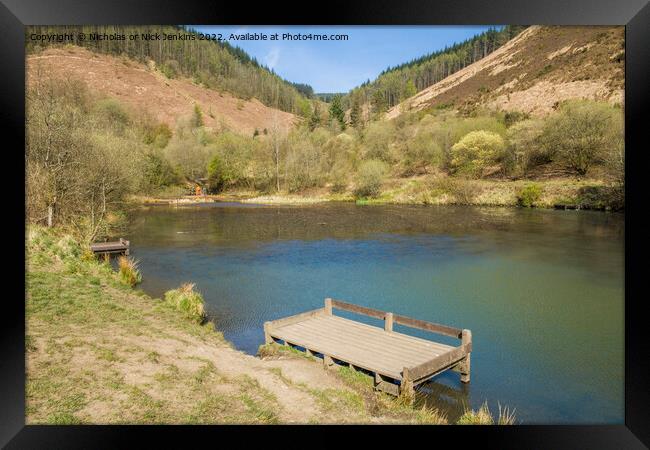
point(128, 270)
point(188, 301)
point(483, 416)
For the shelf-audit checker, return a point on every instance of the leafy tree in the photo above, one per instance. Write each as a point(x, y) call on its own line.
point(157, 171)
point(409, 90)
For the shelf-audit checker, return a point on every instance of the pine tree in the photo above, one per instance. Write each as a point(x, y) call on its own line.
point(315, 119)
point(336, 110)
point(355, 112)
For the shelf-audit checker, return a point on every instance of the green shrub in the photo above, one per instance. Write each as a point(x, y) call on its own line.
point(128, 269)
point(157, 171)
point(525, 150)
point(583, 133)
point(377, 139)
point(113, 112)
point(186, 300)
point(370, 178)
point(477, 150)
point(170, 68)
point(216, 175)
point(529, 195)
point(158, 135)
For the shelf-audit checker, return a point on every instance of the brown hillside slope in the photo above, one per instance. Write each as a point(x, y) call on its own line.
point(541, 66)
point(141, 87)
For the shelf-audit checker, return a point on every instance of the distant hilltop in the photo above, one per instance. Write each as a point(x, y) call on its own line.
point(533, 72)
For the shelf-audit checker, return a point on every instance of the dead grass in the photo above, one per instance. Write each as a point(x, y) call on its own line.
point(142, 88)
point(541, 66)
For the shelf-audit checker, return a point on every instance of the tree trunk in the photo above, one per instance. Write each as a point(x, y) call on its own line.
point(50, 215)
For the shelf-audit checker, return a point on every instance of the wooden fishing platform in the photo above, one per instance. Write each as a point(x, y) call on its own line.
point(121, 247)
point(391, 356)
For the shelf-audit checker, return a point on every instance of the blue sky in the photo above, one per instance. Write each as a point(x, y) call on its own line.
point(338, 66)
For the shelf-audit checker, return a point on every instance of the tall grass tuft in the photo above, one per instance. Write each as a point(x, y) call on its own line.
point(188, 301)
point(480, 417)
point(484, 417)
point(506, 417)
point(129, 273)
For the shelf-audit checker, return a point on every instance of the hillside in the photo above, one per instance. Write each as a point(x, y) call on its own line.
point(142, 87)
point(180, 51)
point(404, 80)
point(533, 72)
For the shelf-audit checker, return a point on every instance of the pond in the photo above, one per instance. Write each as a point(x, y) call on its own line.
point(541, 290)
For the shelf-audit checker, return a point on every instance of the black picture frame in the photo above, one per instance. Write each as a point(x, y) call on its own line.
point(634, 14)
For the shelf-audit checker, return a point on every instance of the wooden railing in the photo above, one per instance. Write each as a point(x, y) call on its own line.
point(389, 318)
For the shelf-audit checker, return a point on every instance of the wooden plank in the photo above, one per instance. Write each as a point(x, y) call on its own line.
point(345, 306)
point(399, 337)
point(381, 341)
point(354, 350)
point(357, 356)
point(350, 343)
point(384, 342)
point(347, 345)
point(295, 318)
point(428, 326)
point(358, 360)
point(439, 362)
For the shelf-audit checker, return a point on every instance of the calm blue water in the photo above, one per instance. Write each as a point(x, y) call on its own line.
point(542, 291)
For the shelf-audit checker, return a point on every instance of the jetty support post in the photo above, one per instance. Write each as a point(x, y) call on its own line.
point(406, 389)
point(388, 322)
point(127, 246)
point(267, 333)
point(328, 306)
point(464, 365)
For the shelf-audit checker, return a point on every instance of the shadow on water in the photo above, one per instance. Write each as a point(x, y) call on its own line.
point(448, 396)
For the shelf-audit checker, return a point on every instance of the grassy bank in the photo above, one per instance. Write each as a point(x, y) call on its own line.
point(100, 351)
point(560, 193)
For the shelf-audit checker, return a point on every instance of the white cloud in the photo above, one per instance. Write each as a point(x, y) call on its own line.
point(272, 57)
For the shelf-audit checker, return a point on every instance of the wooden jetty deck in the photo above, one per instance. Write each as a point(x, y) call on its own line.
point(121, 246)
point(391, 356)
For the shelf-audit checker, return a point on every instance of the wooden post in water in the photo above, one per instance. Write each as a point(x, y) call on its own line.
point(464, 365)
point(328, 306)
point(388, 322)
